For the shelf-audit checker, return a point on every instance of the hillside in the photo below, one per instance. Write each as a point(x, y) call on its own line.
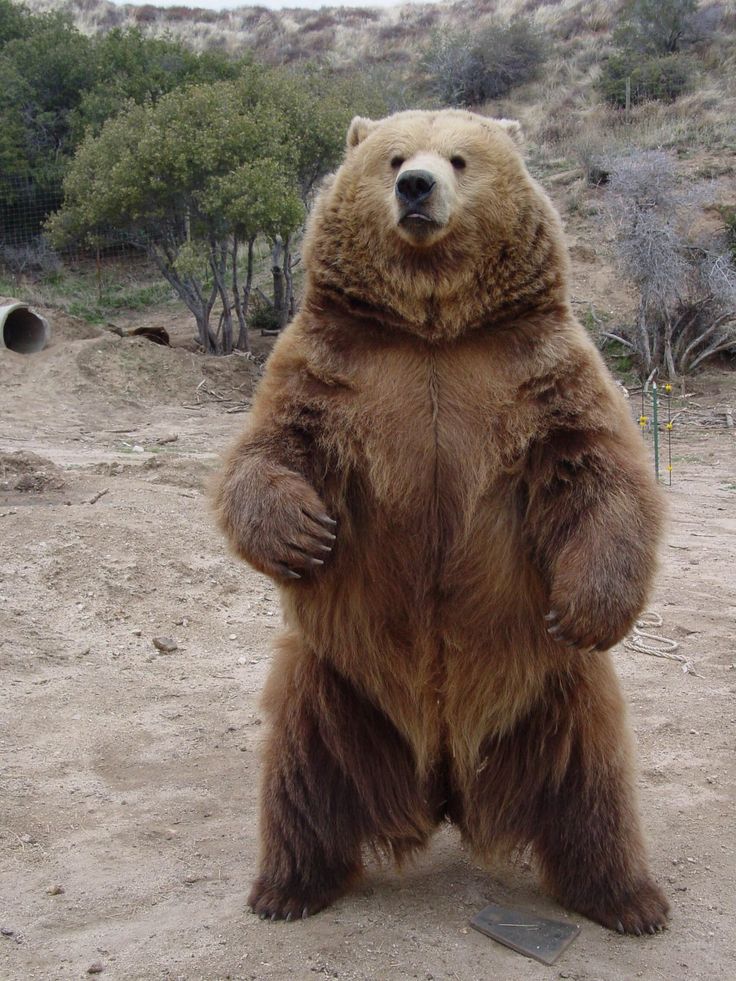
point(387, 45)
point(569, 126)
point(344, 35)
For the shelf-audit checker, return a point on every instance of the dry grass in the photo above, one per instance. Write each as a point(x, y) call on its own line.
point(562, 113)
point(354, 31)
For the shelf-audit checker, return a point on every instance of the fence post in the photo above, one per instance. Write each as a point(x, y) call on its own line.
point(655, 424)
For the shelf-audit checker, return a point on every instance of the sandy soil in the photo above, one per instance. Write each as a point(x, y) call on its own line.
point(129, 776)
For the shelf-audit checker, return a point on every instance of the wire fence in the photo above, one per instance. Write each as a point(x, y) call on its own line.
point(117, 271)
point(25, 206)
point(667, 416)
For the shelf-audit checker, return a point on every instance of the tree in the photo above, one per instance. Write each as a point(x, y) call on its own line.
point(687, 288)
point(189, 178)
point(43, 74)
point(132, 66)
point(317, 107)
point(13, 20)
point(662, 78)
point(56, 84)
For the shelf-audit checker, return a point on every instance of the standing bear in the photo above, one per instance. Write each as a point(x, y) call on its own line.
point(444, 481)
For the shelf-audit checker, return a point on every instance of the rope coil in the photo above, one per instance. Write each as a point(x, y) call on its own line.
point(642, 641)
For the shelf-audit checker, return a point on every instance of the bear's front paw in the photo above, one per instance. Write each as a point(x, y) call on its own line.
point(284, 530)
point(593, 623)
point(275, 902)
point(643, 910)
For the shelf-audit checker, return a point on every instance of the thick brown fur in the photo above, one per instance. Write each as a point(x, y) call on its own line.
point(435, 459)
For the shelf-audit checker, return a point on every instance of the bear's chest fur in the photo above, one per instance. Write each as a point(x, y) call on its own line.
point(428, 439)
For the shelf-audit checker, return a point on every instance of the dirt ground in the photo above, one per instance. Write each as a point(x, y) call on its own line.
point(129, 776)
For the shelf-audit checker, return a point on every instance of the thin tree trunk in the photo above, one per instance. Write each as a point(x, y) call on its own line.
point(702, 337)
point(191, 296)
point(644, 340)
point(218, 262)
point(245, 304)
point(668, 357)
point(242, 341)
point(288, 312)
point(278, 280)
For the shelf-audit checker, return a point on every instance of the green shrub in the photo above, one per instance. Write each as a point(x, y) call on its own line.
point(728, 213)
point(660, 79)
point(263, 317)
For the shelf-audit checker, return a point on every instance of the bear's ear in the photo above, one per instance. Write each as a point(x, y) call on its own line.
point(513, 128)
point(358, 130)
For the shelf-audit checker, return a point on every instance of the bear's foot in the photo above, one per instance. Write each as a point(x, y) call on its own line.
point(642, 910)
point(291, 901)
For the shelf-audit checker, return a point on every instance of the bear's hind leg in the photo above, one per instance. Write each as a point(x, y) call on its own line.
point(590, 842)
point(338, 776)
point(561, 781)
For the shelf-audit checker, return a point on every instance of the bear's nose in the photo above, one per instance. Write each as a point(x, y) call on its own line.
point(414, 186)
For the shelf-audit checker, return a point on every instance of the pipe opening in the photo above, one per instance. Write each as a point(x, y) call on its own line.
point(22, 330)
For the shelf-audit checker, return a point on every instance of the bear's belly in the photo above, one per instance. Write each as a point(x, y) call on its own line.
point(430, 602)
point(438, 443)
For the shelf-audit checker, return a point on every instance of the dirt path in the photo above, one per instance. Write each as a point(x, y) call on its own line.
point(129, 777)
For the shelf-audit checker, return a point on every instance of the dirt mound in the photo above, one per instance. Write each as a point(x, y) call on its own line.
point(134, 369)
point(65, 327)
point(189, 474)
point(26, 472)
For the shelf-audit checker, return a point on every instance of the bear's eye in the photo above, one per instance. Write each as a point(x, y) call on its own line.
point(397, 162)
point(458, 162)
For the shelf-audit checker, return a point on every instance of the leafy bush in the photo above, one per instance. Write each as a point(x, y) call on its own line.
point(729, 220)
point(655, 78)
point(648, 40)
point(466, 68)
point(264, 317)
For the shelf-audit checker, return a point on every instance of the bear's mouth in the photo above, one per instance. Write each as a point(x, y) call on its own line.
point(418, 222)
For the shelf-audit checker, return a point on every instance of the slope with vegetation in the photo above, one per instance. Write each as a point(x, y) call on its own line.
point(593, 82)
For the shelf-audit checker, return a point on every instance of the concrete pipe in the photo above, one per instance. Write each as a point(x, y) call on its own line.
point(21, 329)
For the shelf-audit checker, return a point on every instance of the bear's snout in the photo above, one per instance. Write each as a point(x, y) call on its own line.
point(414, 187)
point(424, 198)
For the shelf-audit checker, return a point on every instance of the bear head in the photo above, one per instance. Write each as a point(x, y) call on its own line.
point(433, 225)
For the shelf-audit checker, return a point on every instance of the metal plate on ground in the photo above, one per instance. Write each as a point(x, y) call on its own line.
point(534, 936)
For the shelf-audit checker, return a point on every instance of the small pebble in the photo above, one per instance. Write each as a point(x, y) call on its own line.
point(167, 645)
point(56, 890)
point(137, 633)
point(6, 931)
point(97, 968)
point(233, 637)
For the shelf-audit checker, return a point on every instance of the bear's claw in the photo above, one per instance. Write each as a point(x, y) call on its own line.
point(644, 910)
point(271, 902)
point(563, 630)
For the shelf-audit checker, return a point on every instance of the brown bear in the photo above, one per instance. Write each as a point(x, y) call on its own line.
point(445, 482)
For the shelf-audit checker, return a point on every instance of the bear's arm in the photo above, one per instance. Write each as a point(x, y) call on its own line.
point(266, 499)
point(594, 516)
